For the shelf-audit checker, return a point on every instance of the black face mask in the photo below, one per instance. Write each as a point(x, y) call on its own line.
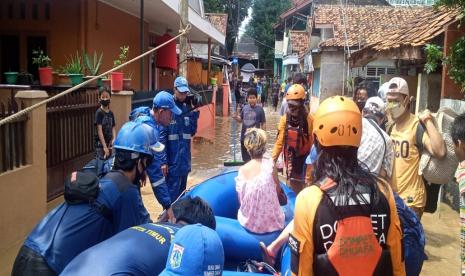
point(139, 175)
point(105, 102)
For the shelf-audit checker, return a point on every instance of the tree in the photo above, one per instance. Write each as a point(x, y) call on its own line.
point(264, 14)
point(230, 7)
point(456, 58)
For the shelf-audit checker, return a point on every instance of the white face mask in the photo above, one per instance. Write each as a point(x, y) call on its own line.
point(396, 109)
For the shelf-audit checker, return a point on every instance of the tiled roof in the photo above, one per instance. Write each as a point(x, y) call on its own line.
point(218, 20)
point(299, 42)
point(363, 24)
point(419, 31)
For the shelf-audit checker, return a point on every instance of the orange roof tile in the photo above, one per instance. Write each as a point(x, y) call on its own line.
point(363, 24)
point(299, 42)
point(218, 20)
point(418, 31)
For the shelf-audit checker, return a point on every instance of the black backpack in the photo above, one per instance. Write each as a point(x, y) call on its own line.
point(83, 187)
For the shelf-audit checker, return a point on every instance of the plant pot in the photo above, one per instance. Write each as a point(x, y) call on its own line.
point(93, 83)
point(11, 77)
point(106, 84)
point(63, 80)
point(75, 79)
point(127, 85)
point(45, 76)
point(116, 81)
point(213, 81)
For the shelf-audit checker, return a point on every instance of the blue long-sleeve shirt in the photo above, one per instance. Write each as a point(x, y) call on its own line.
point(68, 230)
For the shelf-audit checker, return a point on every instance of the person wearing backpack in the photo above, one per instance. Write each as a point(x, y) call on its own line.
point(92, 211)
point(458, 137)
point(410, 135)
point(375, 149)
point(346, 223)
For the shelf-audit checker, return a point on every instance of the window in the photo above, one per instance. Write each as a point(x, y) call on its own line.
point(47, 11)
point(378, 71)
point(22, 10)
point(35, 11)
point(10, 11)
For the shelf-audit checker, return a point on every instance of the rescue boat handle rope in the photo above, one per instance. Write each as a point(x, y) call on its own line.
point(67, 91)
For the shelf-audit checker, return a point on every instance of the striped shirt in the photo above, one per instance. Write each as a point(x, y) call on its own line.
point(460, 176)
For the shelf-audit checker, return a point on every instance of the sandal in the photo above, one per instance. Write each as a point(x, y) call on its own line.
point(267, 257)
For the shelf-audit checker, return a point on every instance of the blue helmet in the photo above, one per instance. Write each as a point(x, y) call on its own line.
point(138, 137)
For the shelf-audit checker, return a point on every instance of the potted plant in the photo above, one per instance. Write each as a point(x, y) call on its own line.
point(214, 72)
point(62, 77)
point(40, 59)
point(127, 81)
point(74, 69)
point(117, 77)
point(93, 64)
point(11, 77)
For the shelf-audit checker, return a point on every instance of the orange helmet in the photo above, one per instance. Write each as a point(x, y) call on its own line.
point(338, 122)
point(295, 92)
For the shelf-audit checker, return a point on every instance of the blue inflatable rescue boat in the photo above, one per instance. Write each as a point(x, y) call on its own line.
point(239, 244)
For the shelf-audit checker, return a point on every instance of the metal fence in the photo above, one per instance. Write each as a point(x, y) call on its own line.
point(70, 135)
point(12, 138)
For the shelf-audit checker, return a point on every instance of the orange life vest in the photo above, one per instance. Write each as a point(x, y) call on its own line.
point(297, 141)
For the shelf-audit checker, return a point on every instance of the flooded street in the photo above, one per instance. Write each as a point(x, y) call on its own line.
point(216, 146)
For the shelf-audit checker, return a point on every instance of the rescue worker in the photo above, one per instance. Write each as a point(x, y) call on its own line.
point(294, 137)
point(195, 250)
point(158, 117)
point(180, 131)
point(346, 223)
point(142, 249)
point(70, 229)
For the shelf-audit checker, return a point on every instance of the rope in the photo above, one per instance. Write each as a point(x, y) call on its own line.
point(67, 91)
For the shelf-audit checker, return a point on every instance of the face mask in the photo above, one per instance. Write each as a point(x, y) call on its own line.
point(396, 110)
point(140, 176)
point(104, 102)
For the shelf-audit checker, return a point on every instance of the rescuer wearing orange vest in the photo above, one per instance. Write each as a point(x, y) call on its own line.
point(294, 137)
point(347, 222)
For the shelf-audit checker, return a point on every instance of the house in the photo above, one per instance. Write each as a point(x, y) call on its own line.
point(63, 27)
point(289, 46)
point(405, 46)
point(335, 32)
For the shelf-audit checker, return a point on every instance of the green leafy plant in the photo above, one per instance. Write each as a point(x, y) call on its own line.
point(40, 58)
point(434, 56)
point(122, 57)
point(74, 64)
point(93, 63)
point(456, 62)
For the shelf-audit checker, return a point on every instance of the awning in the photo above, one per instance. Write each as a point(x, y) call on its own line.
point(164, 14)
point(291, 60)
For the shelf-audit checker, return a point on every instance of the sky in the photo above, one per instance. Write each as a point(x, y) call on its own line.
point(245, 22)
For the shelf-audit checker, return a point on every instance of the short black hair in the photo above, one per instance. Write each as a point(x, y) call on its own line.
point(289, 79)
point(252, 92)
point(299, 78)
point(458, 129)
point(194, 210)
point(102, 90)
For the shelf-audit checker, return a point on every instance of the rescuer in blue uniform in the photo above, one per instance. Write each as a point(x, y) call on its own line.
point(70, 229)
point(180, 131)
point(159, 117)
point(143, 249)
